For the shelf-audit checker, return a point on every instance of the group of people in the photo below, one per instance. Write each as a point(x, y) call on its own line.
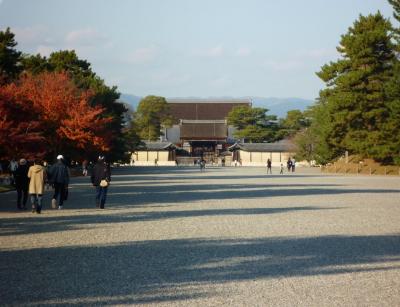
point(291, 166)
point(31, 180)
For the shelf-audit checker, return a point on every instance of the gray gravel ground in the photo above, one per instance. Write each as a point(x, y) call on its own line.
point(228, 236)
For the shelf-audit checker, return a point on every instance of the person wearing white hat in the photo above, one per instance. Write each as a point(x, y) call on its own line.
point(59, 177)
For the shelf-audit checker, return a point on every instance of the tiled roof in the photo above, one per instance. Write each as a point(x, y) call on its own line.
point(281, 146)
point(203, 109)
point(204, 131)
point(157, 146)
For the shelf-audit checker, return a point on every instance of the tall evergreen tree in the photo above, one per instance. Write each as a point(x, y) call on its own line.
point(355, 95)
point(10, 58)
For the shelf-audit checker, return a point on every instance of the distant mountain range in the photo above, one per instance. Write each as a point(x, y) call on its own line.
point(276, 106)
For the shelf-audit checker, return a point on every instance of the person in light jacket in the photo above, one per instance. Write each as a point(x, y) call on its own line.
point(37, 176)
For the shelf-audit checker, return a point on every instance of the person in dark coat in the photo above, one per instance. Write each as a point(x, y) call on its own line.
point(101, 177)
point(269, 166)
point(22, 184)
point(59, 177)
point(289, 165)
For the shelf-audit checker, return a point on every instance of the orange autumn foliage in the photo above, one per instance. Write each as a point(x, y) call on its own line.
point(67, 118)
point(20, 130)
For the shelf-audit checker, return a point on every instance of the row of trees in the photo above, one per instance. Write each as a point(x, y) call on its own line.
point(56, 105)
point(255, 125)
point(252, 124)
point(359, 110)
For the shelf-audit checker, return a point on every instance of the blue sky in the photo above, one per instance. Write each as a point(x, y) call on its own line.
point(200, 48)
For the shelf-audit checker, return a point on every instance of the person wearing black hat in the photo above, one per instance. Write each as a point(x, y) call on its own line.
point(101, 177)
point(22, 183)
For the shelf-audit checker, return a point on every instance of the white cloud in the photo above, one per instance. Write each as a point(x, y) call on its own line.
point(31, 35)
point(221, 81)
point(45, 50)
point(287, 65)
point(318, 53)
point(142, 55)
point(244, 51)
point(212, 52)
point(83, 37)
point(170, 79)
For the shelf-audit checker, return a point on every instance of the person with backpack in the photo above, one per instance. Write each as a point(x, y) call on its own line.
point(101, 177)
point(59, 177)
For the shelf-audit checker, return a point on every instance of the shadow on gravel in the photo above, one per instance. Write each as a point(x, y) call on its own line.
point(171, 270)
point(43, 224)
point(123, 196)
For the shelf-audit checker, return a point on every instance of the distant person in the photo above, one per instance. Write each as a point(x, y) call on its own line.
point(293, 165)
point(289, 165)
point(101, 177)
point(59, 177)
point(269, 166)
point(13, 167)
point(281, 171)
point(85, 167)
point(202, 165)
point(46, 183)
point(37, 176)
point(22, 184)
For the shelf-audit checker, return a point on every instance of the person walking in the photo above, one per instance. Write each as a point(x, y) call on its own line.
point(269, 166)
point(22, 184)
point(37, 176)
point(293, 165)
point(202, 164)
point(289, 165)
point(85, 168)
point(281, 172)
point(13, 168)
point(101, 177)
point(59, 177)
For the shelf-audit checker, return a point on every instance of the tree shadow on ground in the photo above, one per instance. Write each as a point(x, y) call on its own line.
point(170, 270)
point(123, 196)
point(46, 224)
point(193, 173)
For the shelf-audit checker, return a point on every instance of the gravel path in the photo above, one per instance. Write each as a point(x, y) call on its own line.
point(228, 236)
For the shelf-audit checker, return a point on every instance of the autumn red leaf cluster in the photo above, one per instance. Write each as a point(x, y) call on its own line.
point(46, 114)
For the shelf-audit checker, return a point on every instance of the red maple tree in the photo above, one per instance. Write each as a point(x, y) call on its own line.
point(68, 122)
point(20, 130)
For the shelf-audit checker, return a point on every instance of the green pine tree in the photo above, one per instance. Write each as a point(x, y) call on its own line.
point(10, 58)
point(253, 124)
point(355, 98)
